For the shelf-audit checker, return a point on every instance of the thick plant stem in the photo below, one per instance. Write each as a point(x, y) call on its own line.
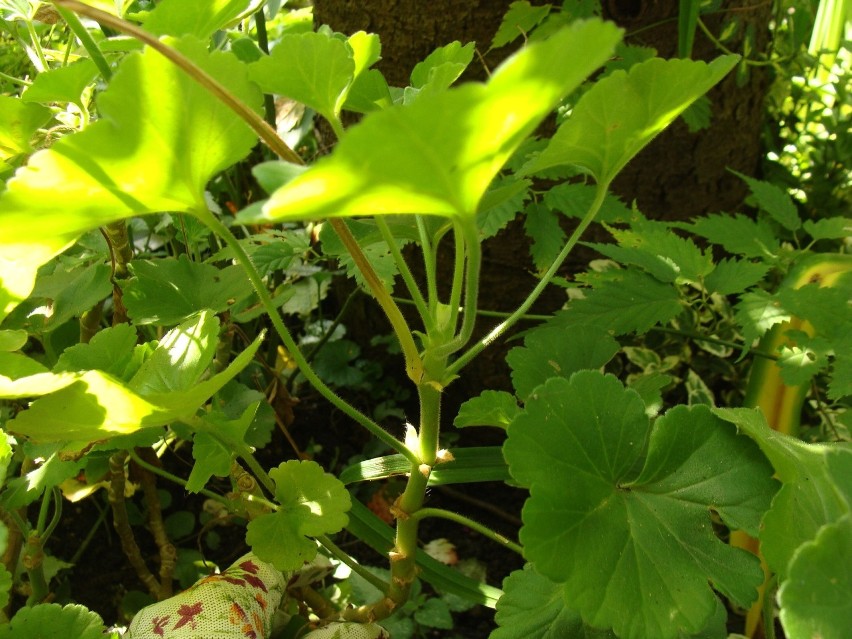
point(519, 312)
point(122, 524)
point(266, 300)
point(87, 41)
point(413, 364)
point(167, 550)
point(403, 555)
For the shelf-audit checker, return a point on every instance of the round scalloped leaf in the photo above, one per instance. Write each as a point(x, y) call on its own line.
point(53, 620)
point(816, 598)
point(315, 69)
point(439, 154)
point(533, 607)
point(622, 113)
point(160, 139)
point(619, 510)
point(312, 502)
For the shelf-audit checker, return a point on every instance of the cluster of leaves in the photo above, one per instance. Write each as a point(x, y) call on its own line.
point(620, 526)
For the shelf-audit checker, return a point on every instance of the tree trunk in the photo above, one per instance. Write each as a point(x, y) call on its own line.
point(679, 176)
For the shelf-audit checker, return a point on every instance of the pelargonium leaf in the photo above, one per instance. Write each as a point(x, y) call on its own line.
point(438, 154)
point(164, 292)
point(53, 620)
point(816, 601)
point(623, 112)
point(312, 502)
point(160, 139)
point(201, 18)
point(619, 510)
point(315, 69)
point(92, 405)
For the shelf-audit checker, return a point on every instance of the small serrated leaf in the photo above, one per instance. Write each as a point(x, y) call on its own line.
point(632, 303)
point(518, 21)
point(732, 276)
point(773, 200)
point(738, 234)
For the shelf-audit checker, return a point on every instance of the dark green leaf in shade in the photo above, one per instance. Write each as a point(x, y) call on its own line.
point(738, 234)
point(619, 510)
point(635, 301)
point(62, 296)
point(542, 227)
point(500, 205)
point(732, 276)
point(624, 111)
point(53, 620)
point(816, 600)
point(827, 308)
point(815, 490)
point(434, 613)
point(63, 84)
point(558, 352)
point(534, 607)
point(110, 350)
point(165, 292)
point(575, 200)
point(698, 114)
point(490, 408)
point(773, 200)
point(828, 228)
point(840, 384)
point(520, 19)
point(439, 154)
point(312, 503)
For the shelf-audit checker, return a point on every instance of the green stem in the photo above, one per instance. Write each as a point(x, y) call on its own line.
point(37, 47)
point(354, 566)
point(428, 262)
point(405, 272)
point(174, 478)
point(469, 523)
point(510, 321)
point(266, 300)
point(87, 41)
point(413, 364)
point(470, 238)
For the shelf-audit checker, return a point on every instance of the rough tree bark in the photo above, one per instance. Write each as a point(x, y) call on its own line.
point(679, 176)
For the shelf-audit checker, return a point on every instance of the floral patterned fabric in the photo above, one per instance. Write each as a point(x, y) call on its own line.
point(238, 603)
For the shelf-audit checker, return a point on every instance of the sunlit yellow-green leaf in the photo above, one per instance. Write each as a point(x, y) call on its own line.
point(439, 154)
point(160, 139)
point(623, 112)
